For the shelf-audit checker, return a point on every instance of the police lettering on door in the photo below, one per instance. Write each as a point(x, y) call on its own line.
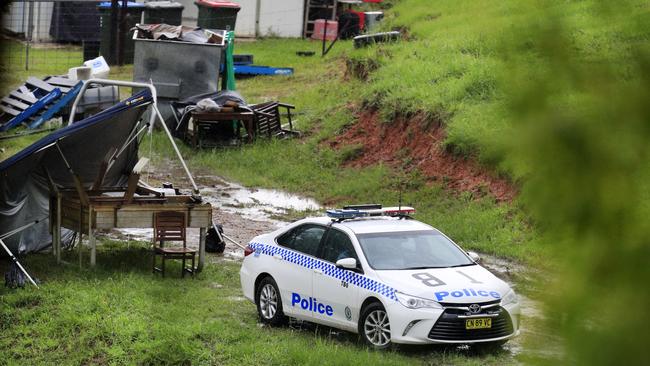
point(311, 304)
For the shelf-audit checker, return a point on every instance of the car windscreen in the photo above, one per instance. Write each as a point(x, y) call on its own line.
point(411, 250)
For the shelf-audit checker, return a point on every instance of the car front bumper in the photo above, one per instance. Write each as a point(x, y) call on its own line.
point(447, 325)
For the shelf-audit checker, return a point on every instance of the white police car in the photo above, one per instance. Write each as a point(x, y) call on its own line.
point(377, 272)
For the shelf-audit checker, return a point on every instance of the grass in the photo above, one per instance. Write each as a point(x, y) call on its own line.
point(121, 314)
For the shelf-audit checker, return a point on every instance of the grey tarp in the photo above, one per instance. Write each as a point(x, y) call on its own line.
point(24, 189)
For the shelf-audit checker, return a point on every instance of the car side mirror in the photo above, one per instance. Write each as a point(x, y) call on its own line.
point(347, 263)
point(475, 257)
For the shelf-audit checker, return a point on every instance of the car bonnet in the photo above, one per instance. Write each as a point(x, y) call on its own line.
point(467, 284)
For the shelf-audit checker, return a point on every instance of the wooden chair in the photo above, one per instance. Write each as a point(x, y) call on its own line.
point(171, 226)
point(268, 120)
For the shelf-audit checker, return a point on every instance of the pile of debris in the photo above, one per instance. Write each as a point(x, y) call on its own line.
point(39, 100)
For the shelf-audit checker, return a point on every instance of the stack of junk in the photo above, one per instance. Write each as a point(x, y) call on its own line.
point(39, 100)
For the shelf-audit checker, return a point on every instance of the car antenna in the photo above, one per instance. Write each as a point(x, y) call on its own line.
point(401, 188)
point(400, 197)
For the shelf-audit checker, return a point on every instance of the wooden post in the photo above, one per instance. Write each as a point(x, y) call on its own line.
point(203, 231)
point(91, 238)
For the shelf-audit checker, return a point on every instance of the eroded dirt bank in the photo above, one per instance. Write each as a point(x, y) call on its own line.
point(415, 142)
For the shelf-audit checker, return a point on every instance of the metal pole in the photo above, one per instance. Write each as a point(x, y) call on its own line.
point(233, 241)
point(113, 43)
point(17, 230)
point(178, 153)
point(258, 6)
point(18, 263)
point(155, 110)
point(30, 33)
point(324, 38)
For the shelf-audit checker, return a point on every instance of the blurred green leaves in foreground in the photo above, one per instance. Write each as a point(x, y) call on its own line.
point(581, 118)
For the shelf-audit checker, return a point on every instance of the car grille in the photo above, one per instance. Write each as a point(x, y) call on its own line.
point(455, 304)
point(450, 327)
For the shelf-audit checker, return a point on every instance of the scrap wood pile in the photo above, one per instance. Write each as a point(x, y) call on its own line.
point(219, 117)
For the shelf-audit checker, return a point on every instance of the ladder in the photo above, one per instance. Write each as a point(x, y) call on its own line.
point(312, 9)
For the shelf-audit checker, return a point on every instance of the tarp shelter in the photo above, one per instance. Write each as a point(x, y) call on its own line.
point(24, 181)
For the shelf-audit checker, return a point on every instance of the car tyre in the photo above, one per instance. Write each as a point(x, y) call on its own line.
point(374, 326)
point(269, 303)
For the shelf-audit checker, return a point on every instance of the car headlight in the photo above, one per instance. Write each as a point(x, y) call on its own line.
point(414, 302)
point(509, 298)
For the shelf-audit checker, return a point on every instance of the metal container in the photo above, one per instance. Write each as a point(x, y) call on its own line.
point(372, 19)
point(177, 69)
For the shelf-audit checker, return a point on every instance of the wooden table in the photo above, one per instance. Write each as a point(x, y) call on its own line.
point(109, 211)
point(206, 119)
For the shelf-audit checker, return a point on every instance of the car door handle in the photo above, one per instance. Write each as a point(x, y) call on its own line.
point(277, 256)
point(318, 271)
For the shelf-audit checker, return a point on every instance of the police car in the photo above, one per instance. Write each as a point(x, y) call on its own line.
point(379, 273)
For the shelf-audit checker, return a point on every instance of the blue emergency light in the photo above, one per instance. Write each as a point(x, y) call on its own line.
point(356, 211)
point(346, 214)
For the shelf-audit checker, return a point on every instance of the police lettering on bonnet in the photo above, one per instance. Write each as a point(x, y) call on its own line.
point(379, 273)
point(440, 295)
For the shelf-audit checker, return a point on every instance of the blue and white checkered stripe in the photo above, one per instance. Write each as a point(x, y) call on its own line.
point(328, 269)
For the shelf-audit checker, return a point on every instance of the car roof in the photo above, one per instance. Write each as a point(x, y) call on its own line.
point(377, 224)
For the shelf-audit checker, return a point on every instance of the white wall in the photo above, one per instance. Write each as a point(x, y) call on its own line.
point(16, 19)
point(245, 26)
point(281, 18)
point(190, 12)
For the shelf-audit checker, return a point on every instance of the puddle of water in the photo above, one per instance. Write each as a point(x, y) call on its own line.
point(256, 204)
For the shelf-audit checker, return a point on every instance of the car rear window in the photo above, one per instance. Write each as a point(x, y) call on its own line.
point(304, 238)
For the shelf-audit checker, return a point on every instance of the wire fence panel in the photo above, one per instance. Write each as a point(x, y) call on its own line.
point(62, 34)
point(53, 36)
point(50, 34)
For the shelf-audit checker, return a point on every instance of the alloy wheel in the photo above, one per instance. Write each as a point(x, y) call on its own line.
point(268, 301)
point(377, 328)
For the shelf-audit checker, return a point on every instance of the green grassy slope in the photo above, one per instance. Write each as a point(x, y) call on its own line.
point(458, 62)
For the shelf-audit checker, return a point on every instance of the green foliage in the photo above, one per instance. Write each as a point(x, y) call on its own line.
point(581, 140)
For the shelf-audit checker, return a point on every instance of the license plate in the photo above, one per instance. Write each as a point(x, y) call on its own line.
point(478, 323)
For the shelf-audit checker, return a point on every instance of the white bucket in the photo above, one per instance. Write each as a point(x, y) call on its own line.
point(79, 73)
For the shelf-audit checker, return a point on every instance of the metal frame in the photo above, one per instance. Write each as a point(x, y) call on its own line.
point(151, 122)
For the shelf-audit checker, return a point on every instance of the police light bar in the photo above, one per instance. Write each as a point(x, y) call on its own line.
point(346, 214)
point(352, 212)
